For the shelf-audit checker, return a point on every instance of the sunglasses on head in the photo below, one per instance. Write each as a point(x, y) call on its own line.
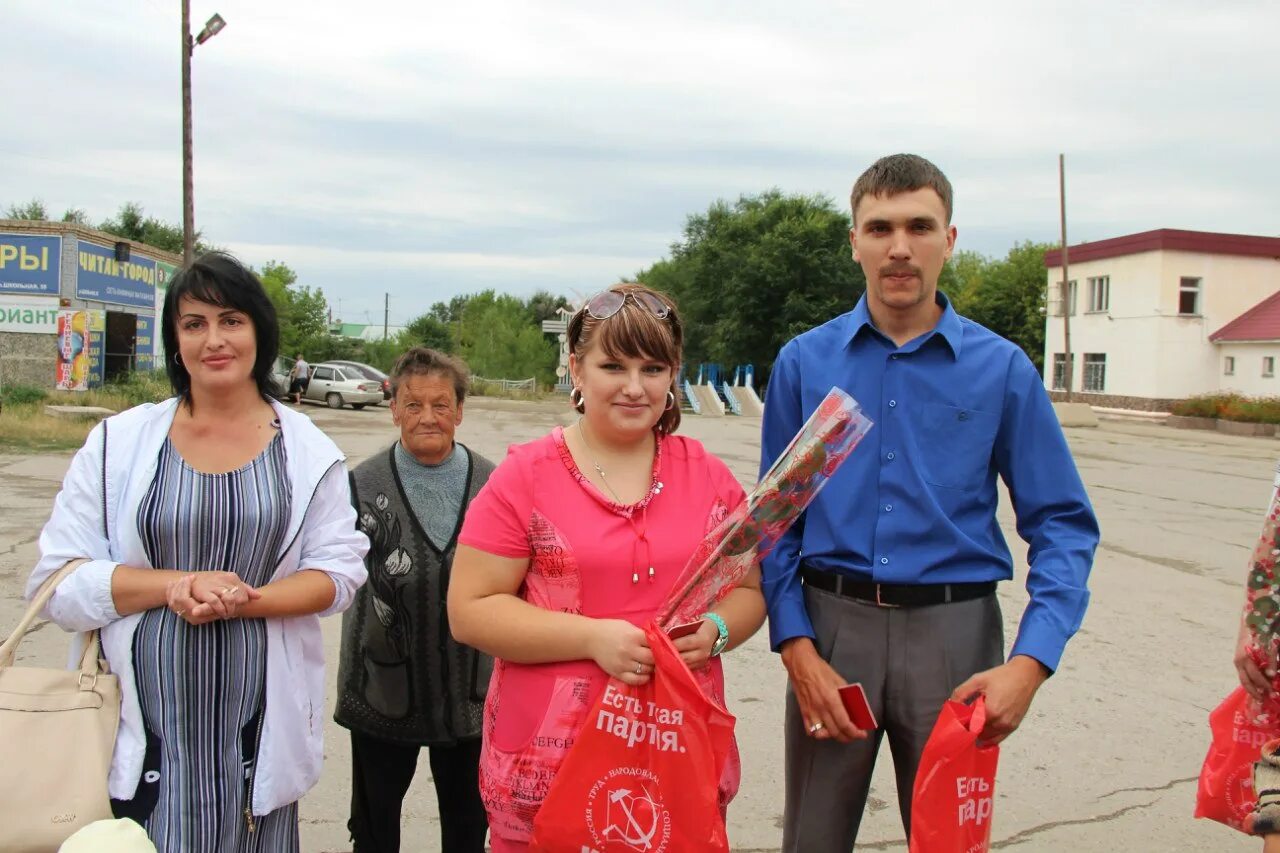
point(606, 303)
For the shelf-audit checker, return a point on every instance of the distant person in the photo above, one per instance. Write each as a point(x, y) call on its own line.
point(577, 540)
point(403, 682)
point(889, 578)
point(298, 377)
point(223, 531)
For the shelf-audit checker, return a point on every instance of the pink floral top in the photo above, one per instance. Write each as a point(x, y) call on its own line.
point(588, 555)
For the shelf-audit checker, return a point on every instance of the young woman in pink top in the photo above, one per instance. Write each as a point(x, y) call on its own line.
point(575, 542)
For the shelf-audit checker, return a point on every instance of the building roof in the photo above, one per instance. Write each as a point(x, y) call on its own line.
point(1259, 323)
point(1168, 239)
point(62, 229)
point(347, 330)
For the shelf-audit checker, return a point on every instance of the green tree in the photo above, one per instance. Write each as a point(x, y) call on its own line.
point(544, 306)
point(33, 209)
point(132, 223)
point(75, 215)
point(961, 278)
point(751, 275)
point(383, 354)
point(1010, 300)
point(430, 331)
point(497, 338)
point(302, 313)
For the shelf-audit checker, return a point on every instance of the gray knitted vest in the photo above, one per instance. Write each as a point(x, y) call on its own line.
point(401, 675)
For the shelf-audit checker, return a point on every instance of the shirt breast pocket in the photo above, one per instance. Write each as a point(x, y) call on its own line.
point(955, 445)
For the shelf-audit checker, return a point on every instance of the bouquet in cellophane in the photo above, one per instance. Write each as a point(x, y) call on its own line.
point(1262, 601)
point(1240, 726)
point(754, 527)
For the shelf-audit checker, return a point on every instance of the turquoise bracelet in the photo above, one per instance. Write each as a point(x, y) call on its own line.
point(723, 639)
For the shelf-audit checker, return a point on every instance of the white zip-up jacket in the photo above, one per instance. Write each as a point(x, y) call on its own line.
point(322, 535)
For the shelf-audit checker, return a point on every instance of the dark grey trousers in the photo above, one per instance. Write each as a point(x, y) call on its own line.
point(908, 661)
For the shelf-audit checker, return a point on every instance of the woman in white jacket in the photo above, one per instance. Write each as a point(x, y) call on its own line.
point(218, 528)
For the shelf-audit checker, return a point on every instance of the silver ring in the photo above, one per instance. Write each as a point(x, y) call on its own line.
point(815, 728)
point(639, 668)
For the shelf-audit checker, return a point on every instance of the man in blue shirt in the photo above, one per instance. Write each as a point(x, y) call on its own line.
point(889, 578)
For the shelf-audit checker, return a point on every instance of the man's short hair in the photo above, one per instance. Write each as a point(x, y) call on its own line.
point(424, 361)
point(900, 173)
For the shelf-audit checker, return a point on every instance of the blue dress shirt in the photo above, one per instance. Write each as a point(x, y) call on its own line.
point(916, 502)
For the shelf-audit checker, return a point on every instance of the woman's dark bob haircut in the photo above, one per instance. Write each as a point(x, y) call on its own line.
point(219, 279)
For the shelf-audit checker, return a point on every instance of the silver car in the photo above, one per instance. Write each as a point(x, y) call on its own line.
point(337, 385)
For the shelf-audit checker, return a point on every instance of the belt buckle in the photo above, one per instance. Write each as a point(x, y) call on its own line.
point(881, 602)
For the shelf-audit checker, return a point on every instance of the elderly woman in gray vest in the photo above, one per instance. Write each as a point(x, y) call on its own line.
point(403, 682)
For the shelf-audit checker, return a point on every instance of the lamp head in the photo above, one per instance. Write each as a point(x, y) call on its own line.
point(214, 26)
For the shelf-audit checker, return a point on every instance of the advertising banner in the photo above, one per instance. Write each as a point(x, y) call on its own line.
point(101, 278)
point(80, 336)
point(33, 315)
point(144, 342)
point(30, 264)
point(164, 275)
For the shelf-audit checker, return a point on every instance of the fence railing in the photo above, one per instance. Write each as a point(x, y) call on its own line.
point(529, 384)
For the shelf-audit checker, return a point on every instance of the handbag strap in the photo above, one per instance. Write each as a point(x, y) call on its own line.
point(10, 647)
point(106, 532)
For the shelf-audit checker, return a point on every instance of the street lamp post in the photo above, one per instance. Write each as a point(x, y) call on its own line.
point(211, 29)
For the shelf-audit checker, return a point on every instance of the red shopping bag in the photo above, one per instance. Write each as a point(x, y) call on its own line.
point(643, 774)
point(955, 786)
point(1226, 790)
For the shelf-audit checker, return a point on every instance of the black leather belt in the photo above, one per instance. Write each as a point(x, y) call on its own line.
point(895, 595)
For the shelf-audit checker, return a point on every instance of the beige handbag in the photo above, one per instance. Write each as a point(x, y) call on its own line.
point(57, 733)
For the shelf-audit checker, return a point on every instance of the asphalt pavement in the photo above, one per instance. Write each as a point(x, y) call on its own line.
point(1106, 760)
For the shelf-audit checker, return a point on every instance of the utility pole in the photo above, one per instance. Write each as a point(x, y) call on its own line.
point(188, 180)
point(211, 29)
point(1066, 279)
point(386, 312)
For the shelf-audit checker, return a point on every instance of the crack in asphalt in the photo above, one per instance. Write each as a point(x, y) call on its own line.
point(1025, 834)
point(1057, 824)
point(1165, 787)
point(1184, 566)
point(16, 545)
point(1179, 501)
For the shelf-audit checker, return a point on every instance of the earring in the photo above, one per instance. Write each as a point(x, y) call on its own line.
point(177, 359)
point(580, 401)
point(671, 400)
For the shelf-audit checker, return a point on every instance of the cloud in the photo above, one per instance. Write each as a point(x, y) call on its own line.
point(428, 149)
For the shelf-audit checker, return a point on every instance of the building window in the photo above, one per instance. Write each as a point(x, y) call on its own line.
point(1095, 372)
point(1100, 293)
point(1055, 297)
point(1229, 365)
point(1268, 365)
point(1189, 296)
point(1060, 371)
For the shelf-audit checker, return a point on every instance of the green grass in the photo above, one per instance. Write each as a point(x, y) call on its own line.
point(24, 426)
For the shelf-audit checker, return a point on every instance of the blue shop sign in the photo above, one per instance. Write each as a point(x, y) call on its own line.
point(101, 278)
point(30, 265)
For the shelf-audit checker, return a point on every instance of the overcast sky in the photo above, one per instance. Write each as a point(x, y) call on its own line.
point(427, 149)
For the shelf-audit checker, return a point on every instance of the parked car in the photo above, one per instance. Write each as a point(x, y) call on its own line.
point(338, 385)
point(368, 371)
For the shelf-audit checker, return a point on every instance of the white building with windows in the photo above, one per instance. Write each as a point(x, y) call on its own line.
point(1148, 313)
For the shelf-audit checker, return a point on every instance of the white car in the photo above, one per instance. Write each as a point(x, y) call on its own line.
point(337, 386)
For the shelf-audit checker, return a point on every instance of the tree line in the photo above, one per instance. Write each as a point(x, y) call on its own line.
point(747, 276)
point(750, 275)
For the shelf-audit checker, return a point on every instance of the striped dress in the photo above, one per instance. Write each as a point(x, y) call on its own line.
point(202, 688)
